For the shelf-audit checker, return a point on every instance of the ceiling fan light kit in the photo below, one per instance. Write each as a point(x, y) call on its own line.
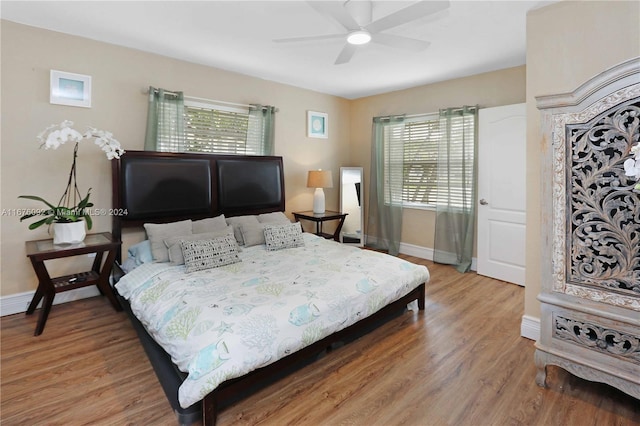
point(359, 37)
point(356, 18)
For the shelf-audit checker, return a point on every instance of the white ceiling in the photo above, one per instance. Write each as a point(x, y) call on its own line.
point(470, 37)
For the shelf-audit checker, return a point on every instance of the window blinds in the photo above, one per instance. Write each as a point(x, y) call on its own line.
point(420, 161)
point(414, 145)
point(215, 130)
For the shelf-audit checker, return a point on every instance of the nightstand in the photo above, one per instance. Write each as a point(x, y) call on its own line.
point(319, 218)
point(41, 250)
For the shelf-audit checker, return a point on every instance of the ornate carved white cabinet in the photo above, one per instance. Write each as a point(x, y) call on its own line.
point(590, 298)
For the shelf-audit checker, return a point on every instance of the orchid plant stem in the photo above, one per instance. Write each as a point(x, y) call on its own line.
point(70, 194)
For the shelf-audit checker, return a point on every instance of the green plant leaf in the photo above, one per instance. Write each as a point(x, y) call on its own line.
point(39, 223)
point(84, 203)
point(33, 197)
point(30, 215)
point(65, 214)
point(89, 221)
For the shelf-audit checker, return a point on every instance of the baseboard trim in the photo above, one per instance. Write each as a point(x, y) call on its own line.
point(17, 303)
point(426, 253)
point(530, 327)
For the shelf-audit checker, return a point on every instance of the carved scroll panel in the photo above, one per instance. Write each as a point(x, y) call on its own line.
point(603, 210)
point(598, 338)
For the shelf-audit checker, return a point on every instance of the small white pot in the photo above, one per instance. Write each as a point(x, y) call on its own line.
point(69, 233)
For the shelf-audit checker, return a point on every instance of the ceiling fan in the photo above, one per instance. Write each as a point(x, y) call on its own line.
point(356, 18)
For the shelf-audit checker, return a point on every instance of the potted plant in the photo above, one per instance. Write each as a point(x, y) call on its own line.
point(69, 215)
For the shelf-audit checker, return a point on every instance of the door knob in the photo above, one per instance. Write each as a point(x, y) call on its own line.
point(483, 202)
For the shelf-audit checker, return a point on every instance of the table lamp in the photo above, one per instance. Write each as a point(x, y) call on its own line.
point(319, 179)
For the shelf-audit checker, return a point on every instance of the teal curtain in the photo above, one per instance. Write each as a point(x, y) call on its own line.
point(165, 121)
point(384, 219)
point(261, 129)
point(456, 185)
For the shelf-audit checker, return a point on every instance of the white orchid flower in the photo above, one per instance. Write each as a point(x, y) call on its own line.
point(52, 141)
point(57, 134)
point(632, 168)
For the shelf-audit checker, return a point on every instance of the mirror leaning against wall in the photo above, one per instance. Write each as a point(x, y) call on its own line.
point(351, 192)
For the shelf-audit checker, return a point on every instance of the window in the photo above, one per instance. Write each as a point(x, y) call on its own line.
point(216, 130)
point(212, 128)
point(414, 145)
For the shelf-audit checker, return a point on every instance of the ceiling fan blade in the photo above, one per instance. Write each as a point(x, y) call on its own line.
point(310, 38)
point(400, 42)
point(408, 14)
point(337, 12)
point(346, 54)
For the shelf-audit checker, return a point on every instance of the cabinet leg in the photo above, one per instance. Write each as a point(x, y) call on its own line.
point(541, 366)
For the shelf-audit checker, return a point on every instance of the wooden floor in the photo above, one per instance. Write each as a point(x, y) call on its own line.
point(461, 362)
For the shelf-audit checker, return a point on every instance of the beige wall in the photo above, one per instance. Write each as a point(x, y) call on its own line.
point(567, 44)
point(561, 55)
point(119, 76)
point(491, 89)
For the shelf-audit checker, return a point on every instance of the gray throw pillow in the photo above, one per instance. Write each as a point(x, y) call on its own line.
point(252, 233)
point(236, 221)
point(209, 224)
point(157, 233)
point(206, 254)
point(275, 217)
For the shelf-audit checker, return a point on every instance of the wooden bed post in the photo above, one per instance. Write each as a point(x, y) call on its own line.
point(209, 409)
point(421, 297)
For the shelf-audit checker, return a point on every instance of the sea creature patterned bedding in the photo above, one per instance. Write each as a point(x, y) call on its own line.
point(222, 323)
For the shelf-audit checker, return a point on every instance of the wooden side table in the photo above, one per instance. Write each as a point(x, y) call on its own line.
point(41, 250)
point(319, 218)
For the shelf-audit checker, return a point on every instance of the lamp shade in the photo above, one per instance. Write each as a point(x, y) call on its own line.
point(319, 179)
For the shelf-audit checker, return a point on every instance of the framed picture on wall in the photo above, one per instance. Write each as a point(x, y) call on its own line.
point(317, 125)
point(70, 89)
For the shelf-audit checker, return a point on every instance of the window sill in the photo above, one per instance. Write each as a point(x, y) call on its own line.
point(419, 207)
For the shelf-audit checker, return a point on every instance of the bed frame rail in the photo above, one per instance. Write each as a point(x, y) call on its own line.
point(233, 388)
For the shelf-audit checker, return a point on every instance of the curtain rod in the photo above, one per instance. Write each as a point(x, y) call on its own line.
point(387, 117)
point(193, 98)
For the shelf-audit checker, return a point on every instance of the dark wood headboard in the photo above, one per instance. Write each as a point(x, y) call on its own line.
point(161, 187)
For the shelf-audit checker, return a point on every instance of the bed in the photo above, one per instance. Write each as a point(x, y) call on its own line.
point(269, 299)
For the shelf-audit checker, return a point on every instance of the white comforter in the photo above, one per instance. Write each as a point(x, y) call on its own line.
point(222, 323)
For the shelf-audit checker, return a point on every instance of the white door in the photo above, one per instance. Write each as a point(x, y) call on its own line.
point(502, 192)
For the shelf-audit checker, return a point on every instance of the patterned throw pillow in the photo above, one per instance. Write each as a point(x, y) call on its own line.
point(279, 237)
point(175, 248)
point(206, 254)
